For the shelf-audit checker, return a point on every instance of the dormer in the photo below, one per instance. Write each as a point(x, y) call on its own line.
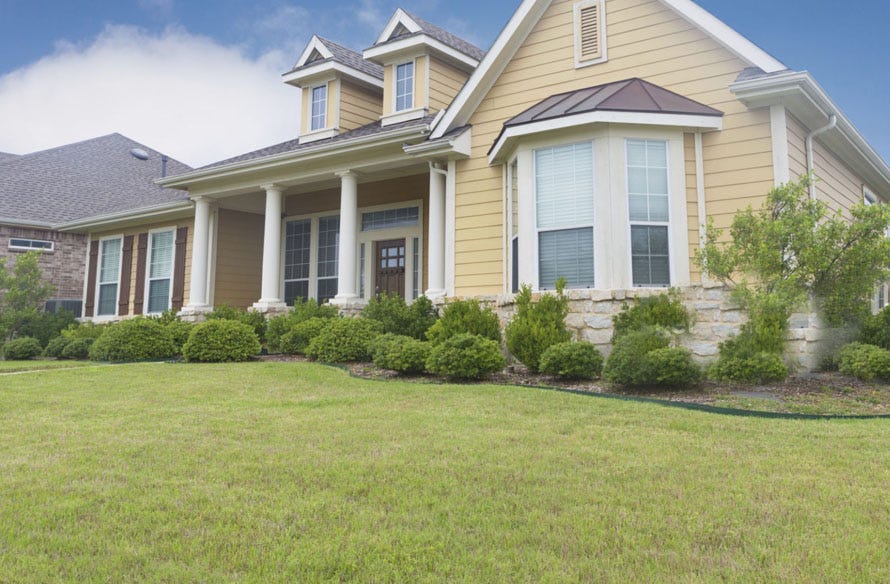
point(424, 67)
point(341, 91)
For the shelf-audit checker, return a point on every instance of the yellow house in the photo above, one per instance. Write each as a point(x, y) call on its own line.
point(592, 141)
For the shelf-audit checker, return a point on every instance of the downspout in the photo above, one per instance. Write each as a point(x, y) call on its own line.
point(811, 163)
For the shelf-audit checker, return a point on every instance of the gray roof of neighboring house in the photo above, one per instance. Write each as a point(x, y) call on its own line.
point(4, 156)
point(346, 56)
point(441, 35)
point(295, 146)
point(85, 179)
point(630, 95)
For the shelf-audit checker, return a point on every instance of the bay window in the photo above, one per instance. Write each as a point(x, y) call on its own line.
point(649, 212)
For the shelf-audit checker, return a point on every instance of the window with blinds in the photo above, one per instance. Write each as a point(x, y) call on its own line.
point(590, 32)
point(564, 201)
point(328, 250)
point(160, 270)
point(109, 275)
point(648, 210)
point(297, 241)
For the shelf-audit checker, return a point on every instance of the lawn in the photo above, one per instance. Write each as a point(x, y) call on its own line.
point(294, 472)
point(39, 364)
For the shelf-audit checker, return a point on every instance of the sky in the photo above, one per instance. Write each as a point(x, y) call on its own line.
point(201, 81)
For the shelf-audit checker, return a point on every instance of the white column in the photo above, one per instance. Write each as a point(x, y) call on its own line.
point(346, 267)
point(436, 246)
point(200, 257)
point(270, 298)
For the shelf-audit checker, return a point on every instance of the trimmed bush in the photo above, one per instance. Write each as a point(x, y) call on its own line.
point(398, 317)
point(41, 325)
point(180, 331)
point(670, 367)
point(465, 317)
point(344, 340)
point(85, 330)
point(55, 347)
point(400, 353)
point(465, 356)
point(875, 329)
point(78, 349)
point(572, 361)
point(865, 362)
point(22, 349)
point(253, 319)
point(296, 340)
point(625, 365)
point(221, 340)
point(663, 310)
point(138, 339)
point(762, 367)
point(302, 311)
point(537, 325)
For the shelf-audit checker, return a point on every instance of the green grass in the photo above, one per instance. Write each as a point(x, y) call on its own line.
point(830, 401)
point(39, 364)
point(293, 472)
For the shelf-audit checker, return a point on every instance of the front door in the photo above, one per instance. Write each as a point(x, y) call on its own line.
point(390, 273)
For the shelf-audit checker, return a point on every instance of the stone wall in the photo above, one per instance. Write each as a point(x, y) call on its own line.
point(63, 267)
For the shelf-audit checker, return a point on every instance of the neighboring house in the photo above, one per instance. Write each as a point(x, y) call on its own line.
point(45, 195)
point(592, 142)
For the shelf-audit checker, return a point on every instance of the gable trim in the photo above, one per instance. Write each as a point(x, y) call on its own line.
point(400, 17)
point(315, 44)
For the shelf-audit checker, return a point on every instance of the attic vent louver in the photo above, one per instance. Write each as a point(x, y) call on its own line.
point(399, 31)
point(589, 32)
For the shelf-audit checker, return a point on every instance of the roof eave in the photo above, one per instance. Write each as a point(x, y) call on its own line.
point(381, 52)
point(26, 223)
point(112, 219)
point(297, 76)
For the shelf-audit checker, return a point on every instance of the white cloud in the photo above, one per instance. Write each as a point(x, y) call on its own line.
point(182, 94)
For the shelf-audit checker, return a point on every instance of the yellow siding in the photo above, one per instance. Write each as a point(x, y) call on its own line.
point(420, 81)
point(692, 204)
point(358, 106)
point(304, 117)
point(445, 82)
point(644, 39)
point(333, 104)
point(797, 148)
point(388, 88)
point(239, 258)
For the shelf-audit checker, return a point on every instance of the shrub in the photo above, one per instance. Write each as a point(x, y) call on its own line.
point(55, 347)
point(344, 340)
point(670, 366)
point(400, 318)
point(465, 317)
point(302, 311)
point(180, 331)
point(572, 361)
point(78, 349)
point(537, 325)
point(21, 349)
point(875, 329)
point(625, 365)
point(400, 353)
point(85, 330)
point(138, 339)
point(663, 310)
point(296, 340)
point(43, 326)
point(221, 340)
point(465, 356)
point(865, 362)
point(762, 367)
point(255, 320)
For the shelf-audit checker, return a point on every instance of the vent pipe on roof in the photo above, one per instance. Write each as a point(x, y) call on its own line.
point(164, 160)
point(811, 162)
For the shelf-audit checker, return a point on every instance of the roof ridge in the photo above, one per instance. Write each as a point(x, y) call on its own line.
point(427, 26)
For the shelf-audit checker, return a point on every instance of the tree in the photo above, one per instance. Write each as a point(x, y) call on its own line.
point(23, 293)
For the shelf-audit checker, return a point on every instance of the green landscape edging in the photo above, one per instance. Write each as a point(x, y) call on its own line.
point(660, 402)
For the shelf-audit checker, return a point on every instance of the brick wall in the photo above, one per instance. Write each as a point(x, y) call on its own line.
point(63, 267)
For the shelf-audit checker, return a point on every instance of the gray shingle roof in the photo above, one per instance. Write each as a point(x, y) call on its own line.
point(4, 156)
point(295, 146)
point(346, 56)
point(443, 36)
point(758, 73)
point(86, 179)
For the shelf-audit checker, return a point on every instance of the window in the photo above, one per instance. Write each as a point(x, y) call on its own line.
point(415, 267)
point(514, 225)
point(298, 236)
point(160, 270)
point(564, 201)
point(648, 209)
point(29, 244)
point(405, 86)
point(109, 274)
point(590, 33)
point(390, 218)
point(319, 108)
point(328, 249)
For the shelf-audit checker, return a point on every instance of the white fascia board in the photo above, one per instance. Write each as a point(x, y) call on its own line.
point(400, 17)
point(774, 88)
point(725, 35)
point(331, 67)
point(110, 219)
point(458, 146)
point(184, 181)
point(511, 134)
point(491, 67)
point(414, 44)
point(315, 44)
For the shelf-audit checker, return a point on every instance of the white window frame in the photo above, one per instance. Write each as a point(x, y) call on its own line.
point(148, 278)
point(99, 281)
point(636, 222)
point(576, 24)
point(612, 266)
point(324, 112)
point(314, 219)
point(12, 246)
point(312, 231)
point(395, 81)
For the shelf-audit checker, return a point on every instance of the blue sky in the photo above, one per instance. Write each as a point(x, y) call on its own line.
point(849, 58)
